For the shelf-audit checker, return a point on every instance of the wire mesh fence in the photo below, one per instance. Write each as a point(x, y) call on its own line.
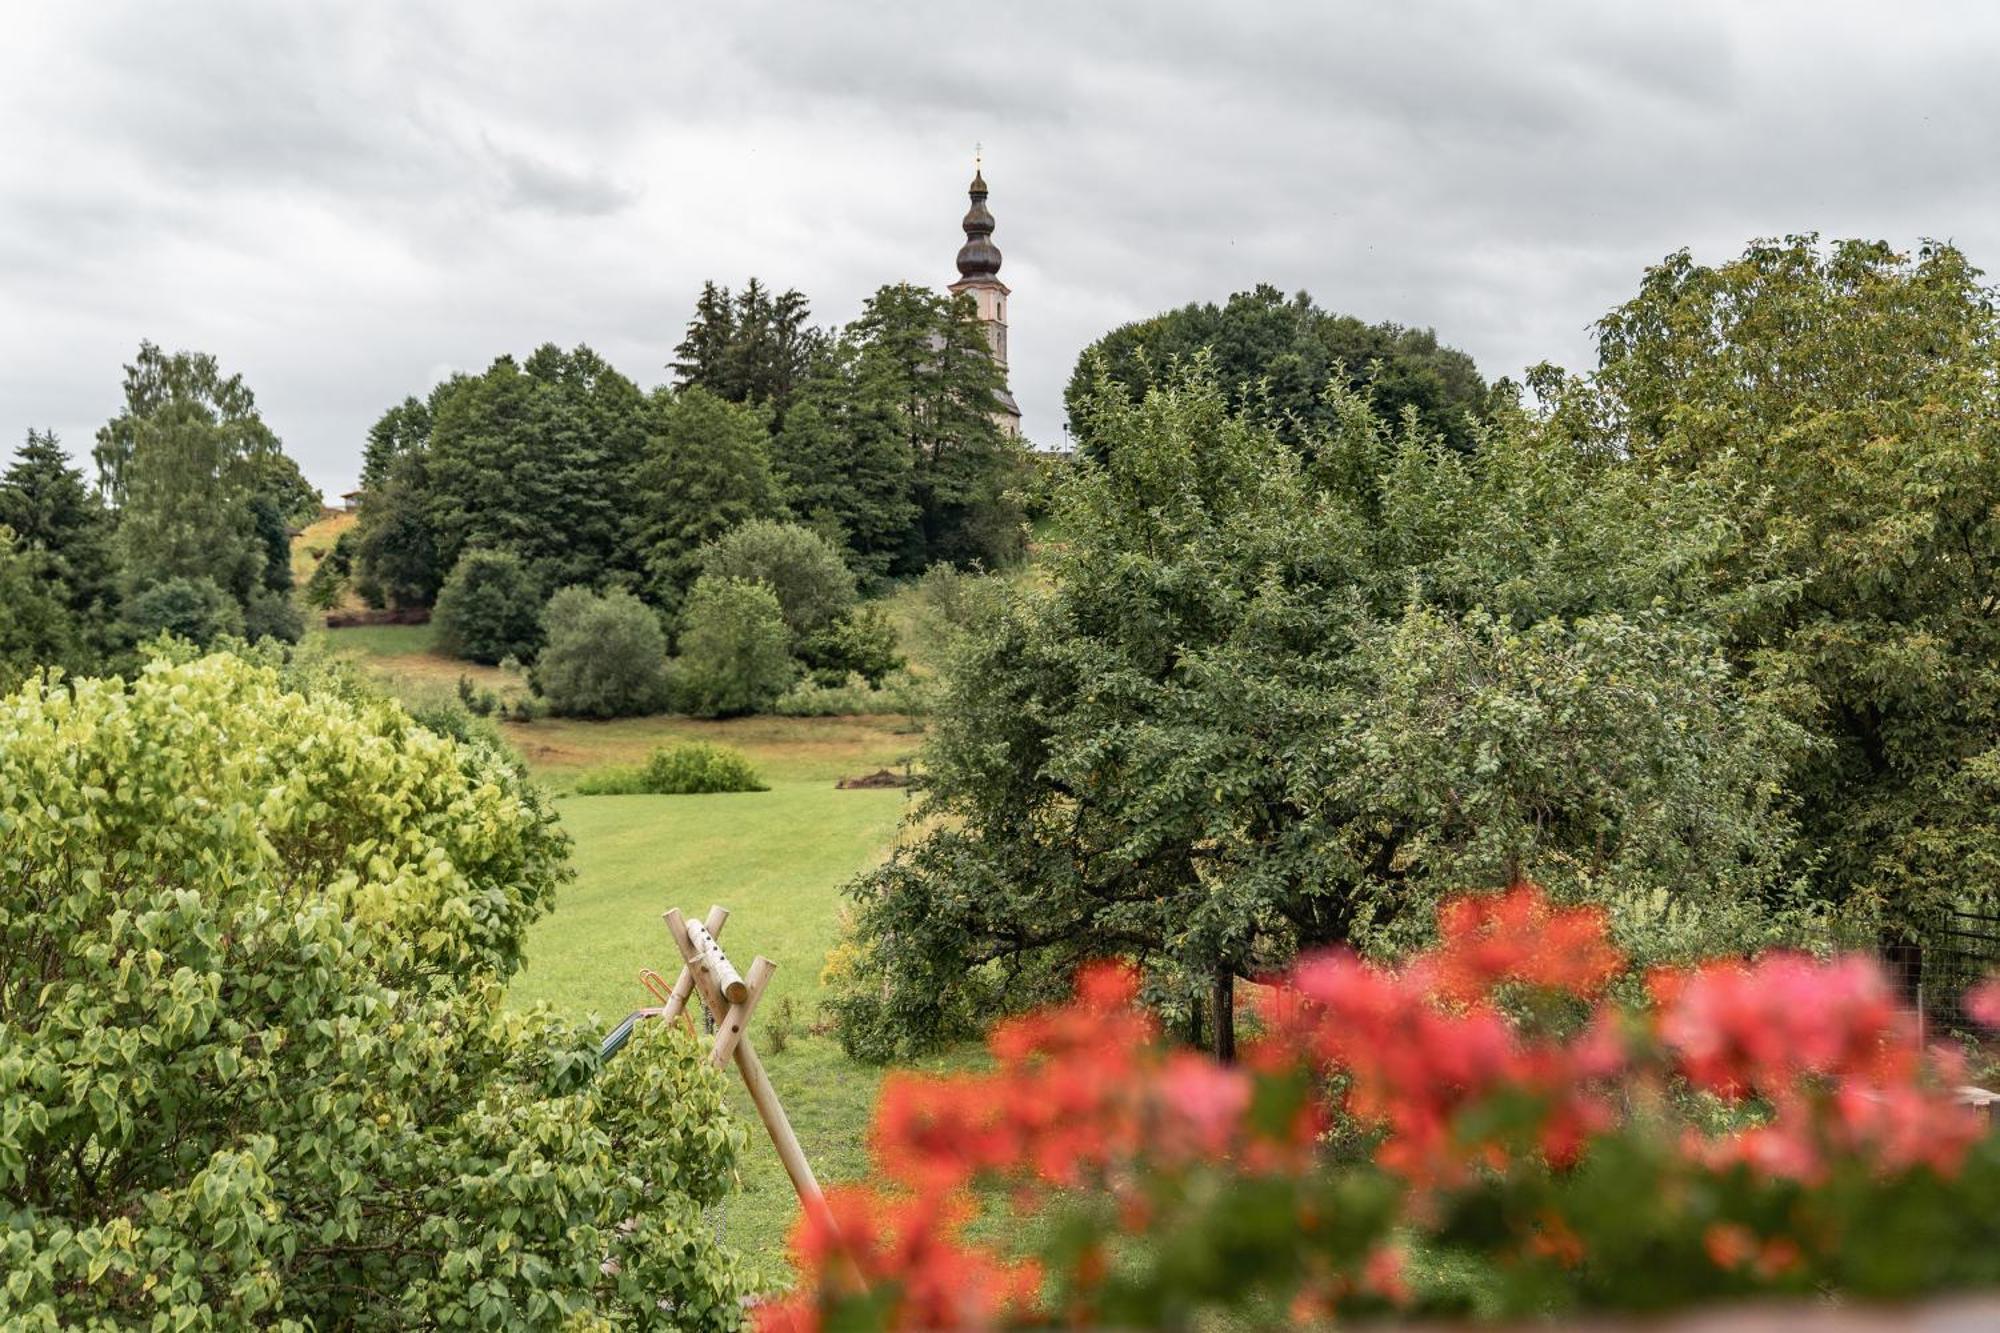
point(1946, 953)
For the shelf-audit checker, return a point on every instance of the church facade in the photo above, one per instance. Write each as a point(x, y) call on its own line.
point(979, 277)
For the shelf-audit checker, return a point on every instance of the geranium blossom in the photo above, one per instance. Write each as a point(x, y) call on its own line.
point(1088, 1100)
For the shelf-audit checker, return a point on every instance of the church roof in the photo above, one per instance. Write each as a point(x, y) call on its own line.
point(978, 257)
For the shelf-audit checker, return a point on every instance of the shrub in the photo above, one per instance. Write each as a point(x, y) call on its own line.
point(489, 608)
point(735, 654)
point(1747, 1128)
point(261, 1072)
point(478, 701)
point(272, 615)
point(779, 1027)
point(690, 769)
point(861, 643)
point(853, 697)
point(197, 610)
point(603, 657)
point(815, 587)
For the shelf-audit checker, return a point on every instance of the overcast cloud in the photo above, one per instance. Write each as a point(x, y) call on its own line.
point(346, 201)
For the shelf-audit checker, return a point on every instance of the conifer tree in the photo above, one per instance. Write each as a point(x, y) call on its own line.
point(924, 356)
point(62, 532)
point(754, 347)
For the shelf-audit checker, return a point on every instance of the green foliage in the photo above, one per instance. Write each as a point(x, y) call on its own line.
point(1847, 398)
point(194, 609)
point(187, 461)
point(37, 630)
point(489, 608)
point(814, 588)
point(530, 457)
point(861, 643)
point(705, 470)
point(750, 348)
point(692, 768)
point(735, 652)
point(262, 1075)
point(604, 656)
point(846, 466)
point(64, 534)
point(923, 357)
point(1279, 697)
point(1276, 357)
point(272, 615)
point(852, 697)
point(396, 556)
point(330, 576)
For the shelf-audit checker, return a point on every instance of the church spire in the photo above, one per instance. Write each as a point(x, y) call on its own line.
point(978, 257)
point(979, 278)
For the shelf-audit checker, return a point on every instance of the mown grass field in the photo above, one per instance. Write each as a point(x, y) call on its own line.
point(776, 859)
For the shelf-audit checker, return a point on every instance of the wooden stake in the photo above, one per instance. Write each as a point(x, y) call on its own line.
point(709, 955)
point(737, 1021)
point(762, 1095)
point(718, 917)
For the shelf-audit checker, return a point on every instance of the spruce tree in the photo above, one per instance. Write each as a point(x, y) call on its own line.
point(924, 357)
point(754, 347)
point(62, 532)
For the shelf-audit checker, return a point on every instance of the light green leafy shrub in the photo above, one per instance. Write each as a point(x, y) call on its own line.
point(255, 1068)
point(860, 643)
point(735, 650)
point(691, 769)
point(604, 657)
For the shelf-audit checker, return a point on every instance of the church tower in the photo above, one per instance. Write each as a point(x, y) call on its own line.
point(979, 274)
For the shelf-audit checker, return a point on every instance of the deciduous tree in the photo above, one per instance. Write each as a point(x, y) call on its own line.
point(706, 468)
point(1848, 398)
point(1279, 696)
point(1277, 356)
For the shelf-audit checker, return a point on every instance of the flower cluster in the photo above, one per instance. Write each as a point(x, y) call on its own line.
point(1173, 1165)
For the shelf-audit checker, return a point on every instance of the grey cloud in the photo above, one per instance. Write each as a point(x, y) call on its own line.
point(540, 184)
point(339, 198)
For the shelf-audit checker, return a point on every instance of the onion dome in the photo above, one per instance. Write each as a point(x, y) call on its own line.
point(978, 257)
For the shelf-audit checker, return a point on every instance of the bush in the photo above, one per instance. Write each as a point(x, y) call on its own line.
point(197, 610)
point(261, 1071)
point(861, 643)
point(477, 700)
point(815, 587)
point(853, 697)
point(489, 608)
point(735, 655)
point(691, 769)
point(272, 615)
point(603, 657)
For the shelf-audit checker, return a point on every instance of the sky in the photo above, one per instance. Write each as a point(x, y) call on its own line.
point(346, 202)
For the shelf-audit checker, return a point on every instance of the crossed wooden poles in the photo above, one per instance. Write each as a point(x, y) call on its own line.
point(732, 998)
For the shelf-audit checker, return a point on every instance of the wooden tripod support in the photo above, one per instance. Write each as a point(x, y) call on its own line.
point(732, 998)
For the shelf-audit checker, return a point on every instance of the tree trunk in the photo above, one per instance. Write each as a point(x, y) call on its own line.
point(1223, 1002)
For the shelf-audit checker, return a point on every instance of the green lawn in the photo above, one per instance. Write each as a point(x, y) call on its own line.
point(777, 860)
